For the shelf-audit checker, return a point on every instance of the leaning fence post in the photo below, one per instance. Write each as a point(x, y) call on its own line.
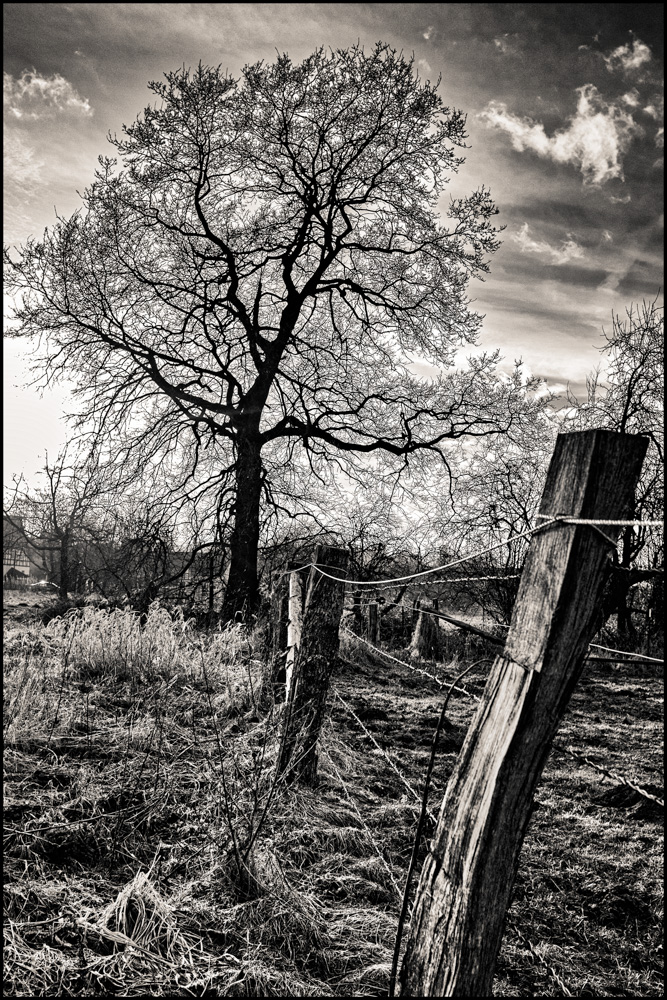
point(313, 665)
point(466, 882)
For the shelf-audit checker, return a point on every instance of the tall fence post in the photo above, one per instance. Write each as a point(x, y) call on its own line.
point(373, 629)
point(466, 882)
point(313, 665)
point(278, 633)
point(294, 622)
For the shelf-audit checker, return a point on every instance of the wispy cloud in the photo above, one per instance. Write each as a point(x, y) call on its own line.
point(505, 43)
point(628, 58)
point(594, 140)
point(33, 96)
point(567, 251)
point(22, 171)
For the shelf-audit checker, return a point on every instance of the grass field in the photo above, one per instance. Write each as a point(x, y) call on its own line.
point(138, 768)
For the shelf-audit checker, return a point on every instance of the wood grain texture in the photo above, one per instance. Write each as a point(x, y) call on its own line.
point(467, 879)
point(297, 585)
point(314, 662)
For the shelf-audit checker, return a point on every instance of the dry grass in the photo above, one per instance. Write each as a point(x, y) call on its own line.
point(139, 761)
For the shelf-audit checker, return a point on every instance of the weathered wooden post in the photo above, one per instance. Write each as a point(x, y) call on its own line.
point(373, 625)
point(426, 638)
point(465, 886)
point(278, 633)
point(315, 660)
point(295, 616)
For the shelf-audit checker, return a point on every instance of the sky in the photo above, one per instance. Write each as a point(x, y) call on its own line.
point(564, 106)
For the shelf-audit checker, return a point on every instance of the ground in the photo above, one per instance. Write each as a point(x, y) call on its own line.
point(138, 778)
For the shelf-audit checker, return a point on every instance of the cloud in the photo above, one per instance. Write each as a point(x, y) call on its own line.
point(21, 171)
point(33, 96)
point(595, 139)
point(606, 236)
point(628, 58)
point(568, 250)
point(656, 109)
point(424, 66)
point(427, 34)
point(505, 43)
point(621, 201)
point(631, 98)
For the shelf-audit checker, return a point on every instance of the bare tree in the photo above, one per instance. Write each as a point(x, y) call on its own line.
point(496, 497)
point(630, 398)
point(52, 518)
point(262, 270)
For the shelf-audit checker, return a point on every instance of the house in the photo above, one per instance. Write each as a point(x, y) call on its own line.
point(21, 563)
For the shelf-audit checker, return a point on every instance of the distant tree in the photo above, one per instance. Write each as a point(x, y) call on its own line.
point(52, 518)
point(261, 272)
point(495, 498)
point(630, 398)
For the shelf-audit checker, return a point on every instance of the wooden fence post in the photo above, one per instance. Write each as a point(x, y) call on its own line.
point(278, 633)
point(426, 638)
point(294, 623)
point(466, 882)
point(315, 660)
point(373, 629)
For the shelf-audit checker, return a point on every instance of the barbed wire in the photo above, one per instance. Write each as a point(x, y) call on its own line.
point(376, 848)
point(639, 656)
point(410, 666)
point(548, 521)
point(415, 794)
point(438, 569)
point(614, 775)
point(455, 579)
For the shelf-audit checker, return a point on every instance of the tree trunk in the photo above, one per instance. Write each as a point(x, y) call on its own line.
point(242, 591)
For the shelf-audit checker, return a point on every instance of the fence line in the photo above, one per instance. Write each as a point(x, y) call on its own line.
point(639, 656)
point(614, 775)
point(548, 521)
point(410, 666)
point(415, 794)
point(370, 836)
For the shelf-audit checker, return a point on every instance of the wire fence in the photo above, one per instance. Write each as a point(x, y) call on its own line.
point(549, 521)
point(608, 772)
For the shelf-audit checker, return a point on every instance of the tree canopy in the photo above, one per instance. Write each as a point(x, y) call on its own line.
point(258, 268)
